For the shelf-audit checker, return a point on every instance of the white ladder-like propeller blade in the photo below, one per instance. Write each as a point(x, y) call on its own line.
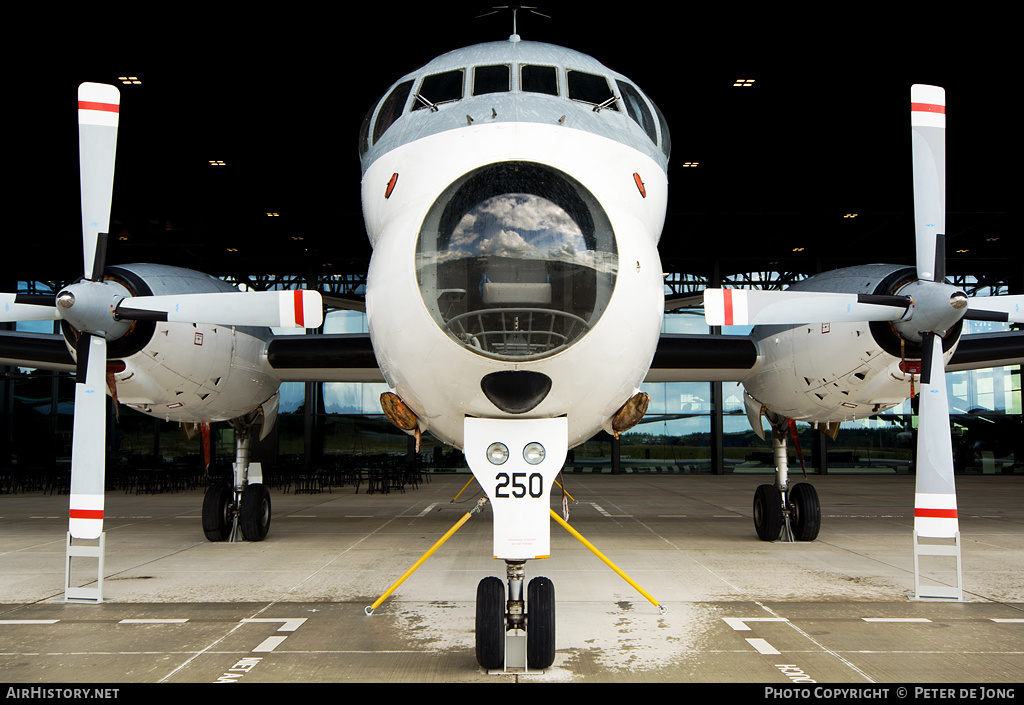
point(935, 511)
point(928, 139)
point(89, 438)
point(298, 308)
point(98, 113)
point(745, 307)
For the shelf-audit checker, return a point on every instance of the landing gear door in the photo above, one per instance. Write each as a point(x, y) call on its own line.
point(516, 462)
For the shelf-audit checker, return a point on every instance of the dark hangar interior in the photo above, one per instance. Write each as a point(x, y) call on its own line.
point(791, 141)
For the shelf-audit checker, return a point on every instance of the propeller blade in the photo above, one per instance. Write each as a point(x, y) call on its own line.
point(297, 308)
point(744, 307)
point(26, 307)
point(88, 442)
point(935, 512)
point(928, 139)
point(98, 111)
point(996, 308)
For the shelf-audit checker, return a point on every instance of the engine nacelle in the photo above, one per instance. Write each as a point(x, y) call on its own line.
point(180, 371)
point(831, 372)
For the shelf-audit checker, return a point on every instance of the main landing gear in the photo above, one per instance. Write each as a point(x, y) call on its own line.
point(516, 633)
point(782, 512)
point(240, 510)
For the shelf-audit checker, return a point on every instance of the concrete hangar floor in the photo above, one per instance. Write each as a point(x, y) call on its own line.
point(178, 609)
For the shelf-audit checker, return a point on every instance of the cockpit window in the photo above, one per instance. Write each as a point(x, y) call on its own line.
point(391, 109)
point(637, 109)
point(666, 139)
point(539, 79)
point(590, 88)
point(491, 79)
point(516, 261)
point(439, 88)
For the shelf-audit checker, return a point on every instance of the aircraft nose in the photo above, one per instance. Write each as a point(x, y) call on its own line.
point(516, 392)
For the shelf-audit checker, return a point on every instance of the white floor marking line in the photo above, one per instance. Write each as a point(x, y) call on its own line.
point(29, 621)
point(763, 647)
point(739, 624)
point(821, 646)
point(894, 620)
point(269, 644)
point(290, 625)
point(1007, 621)
point(153, 621)
point(600, 509)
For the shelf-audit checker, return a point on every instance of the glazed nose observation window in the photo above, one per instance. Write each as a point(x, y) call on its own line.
point(516, 261)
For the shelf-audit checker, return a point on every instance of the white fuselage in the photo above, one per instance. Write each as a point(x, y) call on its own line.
point(434, 373)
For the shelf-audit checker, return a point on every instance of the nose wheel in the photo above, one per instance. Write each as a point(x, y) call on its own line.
point(500, 623)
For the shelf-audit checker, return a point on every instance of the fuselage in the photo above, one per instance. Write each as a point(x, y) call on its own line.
point(514, 194)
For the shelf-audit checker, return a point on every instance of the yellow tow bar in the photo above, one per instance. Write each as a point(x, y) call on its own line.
point(479, 505)
point(607, 561)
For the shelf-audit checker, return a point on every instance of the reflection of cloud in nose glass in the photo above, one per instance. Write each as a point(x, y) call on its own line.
point(517, 225)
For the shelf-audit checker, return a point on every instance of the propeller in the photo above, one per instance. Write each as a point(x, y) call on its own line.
point(746, 307)
point(923, 312)
point(935, 490)
point(102, 311)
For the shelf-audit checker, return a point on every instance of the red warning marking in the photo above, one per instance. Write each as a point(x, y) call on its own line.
point(299, 320)
point(107, 107)
point(928, 108)
point(926, 513)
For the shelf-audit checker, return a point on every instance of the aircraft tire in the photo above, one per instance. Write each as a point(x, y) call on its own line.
point(540, 623)
point(805, 510)
point(767, 512)
point(490, 623)
point(217, 511)
point(255, 515)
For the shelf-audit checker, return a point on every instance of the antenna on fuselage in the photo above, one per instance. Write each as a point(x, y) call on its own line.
point(515, 9)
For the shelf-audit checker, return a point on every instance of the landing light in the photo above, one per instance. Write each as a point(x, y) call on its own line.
point(497, 453)
point(534, 453)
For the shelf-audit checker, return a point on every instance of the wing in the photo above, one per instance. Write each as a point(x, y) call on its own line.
point(730, 358)
point(702, 358)
point(323, 358)
point(36, 350)
point(980, 350)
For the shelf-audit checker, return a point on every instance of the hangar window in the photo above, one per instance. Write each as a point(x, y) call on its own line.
point(637, 109)
point(590, 88)
point(440, 88)
point(391, 109)
point(539, 79)
point(491, 79)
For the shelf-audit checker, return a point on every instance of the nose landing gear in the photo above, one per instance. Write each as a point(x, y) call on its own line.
point(515, 635)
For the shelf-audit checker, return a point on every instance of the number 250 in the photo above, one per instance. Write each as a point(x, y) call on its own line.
point(534, 485)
